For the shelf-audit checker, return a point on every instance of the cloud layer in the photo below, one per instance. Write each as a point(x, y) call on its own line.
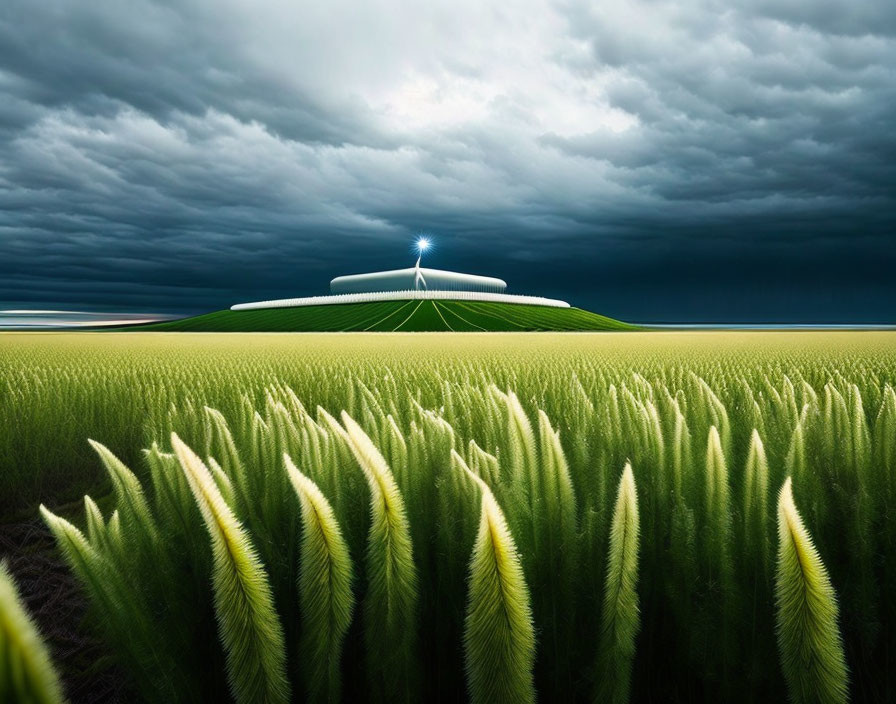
point(651, 160)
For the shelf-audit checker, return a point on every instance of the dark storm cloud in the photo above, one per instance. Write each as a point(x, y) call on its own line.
point(651, 160)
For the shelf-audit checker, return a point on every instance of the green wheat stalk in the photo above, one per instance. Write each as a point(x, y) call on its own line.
point(325, 589)
point(499, 637)
point(809, 643)
point(390, 605)
point(755, 509)
point(247, 622)
point(620, 617)
point(26, 670)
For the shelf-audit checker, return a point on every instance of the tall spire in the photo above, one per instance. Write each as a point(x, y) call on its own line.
point(422, 245)
point(419, 281)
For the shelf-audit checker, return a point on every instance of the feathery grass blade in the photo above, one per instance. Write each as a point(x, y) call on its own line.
point(125, 617)
point(554, 571)
point(325, 589)
point(113, 532)
point(681, 452)
point(809, 642)
point(716, 509)
point(82, 558)
point(247, 622)
point(521, 443)
point(132, 504)
point(225, 447)
point(26, 671)
point(171, 494)
point(885, 436)
point(96, 526)
point(796, 454)
point(483, 463)
point(390, 606)
point(225, 486)
point(499, 637)
point(756, 503)
point(620, 619)
point(558, 494)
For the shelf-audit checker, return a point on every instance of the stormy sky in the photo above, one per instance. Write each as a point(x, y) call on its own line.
point(650, 160)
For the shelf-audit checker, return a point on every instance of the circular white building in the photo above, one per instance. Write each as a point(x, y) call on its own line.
point(415, 278)
point(414, 282)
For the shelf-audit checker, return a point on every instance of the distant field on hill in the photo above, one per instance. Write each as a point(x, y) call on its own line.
point(397, 316)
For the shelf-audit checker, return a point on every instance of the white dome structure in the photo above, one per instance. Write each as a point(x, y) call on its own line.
point(415, 278)
point(413, 283)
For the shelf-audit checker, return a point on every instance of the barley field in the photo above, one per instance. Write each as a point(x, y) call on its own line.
point(615, 517)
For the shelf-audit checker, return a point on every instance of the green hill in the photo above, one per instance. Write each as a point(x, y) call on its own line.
point(396, 316)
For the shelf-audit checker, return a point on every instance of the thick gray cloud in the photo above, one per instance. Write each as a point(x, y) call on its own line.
point(651, 160)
